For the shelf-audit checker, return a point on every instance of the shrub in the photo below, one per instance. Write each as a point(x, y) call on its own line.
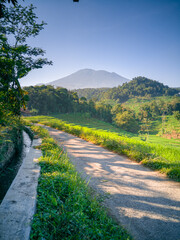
point(127, 122)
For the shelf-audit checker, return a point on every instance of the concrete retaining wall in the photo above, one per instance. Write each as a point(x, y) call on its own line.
point(18, 206)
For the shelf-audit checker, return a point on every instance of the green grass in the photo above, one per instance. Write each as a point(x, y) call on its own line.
point(10, 138)
point(84, 121)
point(136, 103)
point(65, 206)
point(157, 156)
point(172, 124)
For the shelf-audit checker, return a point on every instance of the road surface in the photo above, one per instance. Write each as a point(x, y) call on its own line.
point(145, 202)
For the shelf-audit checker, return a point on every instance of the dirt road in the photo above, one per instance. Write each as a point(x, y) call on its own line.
point(143, 201)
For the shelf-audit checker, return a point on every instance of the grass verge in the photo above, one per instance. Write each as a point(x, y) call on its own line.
point(166, 159)
point(93, 123)
point(65, 208)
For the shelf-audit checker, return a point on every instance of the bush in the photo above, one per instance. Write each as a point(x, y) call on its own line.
point(127, 122)
point(177, 115)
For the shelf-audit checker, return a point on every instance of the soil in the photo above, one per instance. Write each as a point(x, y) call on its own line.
point(172, 135)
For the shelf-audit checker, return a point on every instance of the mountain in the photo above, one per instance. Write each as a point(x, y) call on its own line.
point(89, 78)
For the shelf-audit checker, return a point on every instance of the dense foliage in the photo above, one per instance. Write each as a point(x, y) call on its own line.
point(3, 6)
point(91, 93)
point(138, 87)
point(47, 100)
point(17, 58)
point(10, 134)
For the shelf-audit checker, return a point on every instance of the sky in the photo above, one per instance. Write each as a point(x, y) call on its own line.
point(130, 37)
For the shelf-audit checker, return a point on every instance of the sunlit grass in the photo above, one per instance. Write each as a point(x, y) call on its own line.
point(157, 156)
point(84, 121)
point(65, 206)
point(136, 103)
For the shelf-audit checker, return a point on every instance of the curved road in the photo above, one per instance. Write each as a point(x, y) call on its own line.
point(143, 201)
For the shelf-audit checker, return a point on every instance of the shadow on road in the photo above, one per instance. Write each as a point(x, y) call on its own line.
point(143, 201)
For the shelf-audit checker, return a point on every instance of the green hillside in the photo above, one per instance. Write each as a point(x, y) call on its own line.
point(137, 102)
point(138, 87)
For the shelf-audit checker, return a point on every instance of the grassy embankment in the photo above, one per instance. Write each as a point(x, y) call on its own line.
point(165, 158)
point(10, 137)
point(65, 206)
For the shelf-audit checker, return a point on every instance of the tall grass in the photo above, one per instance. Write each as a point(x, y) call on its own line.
point(65, 208)
point(85, 121)
point(163, 158)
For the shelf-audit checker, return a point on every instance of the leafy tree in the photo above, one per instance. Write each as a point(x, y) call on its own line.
point(127, 121)
point(103, 112)
point(2, 5)
point(47, 99)
point(92, 109)
point(177, 115)
point(17, 58)
point(117, 109)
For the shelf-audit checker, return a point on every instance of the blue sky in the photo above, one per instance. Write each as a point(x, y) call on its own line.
point(129, 37)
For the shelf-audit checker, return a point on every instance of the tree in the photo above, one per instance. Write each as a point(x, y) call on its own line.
point(117, 109)
point(17, 58)
point(2, 6)
point(176, 114)
point(127, 121)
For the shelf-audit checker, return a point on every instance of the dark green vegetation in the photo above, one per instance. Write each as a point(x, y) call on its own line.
point(135, 115)
point(65, 206)
point(91, 93)
point(17, 59)
point(3, 6)
point(138, 87)
point(49, 100)
point(157, 156)
point(10, 135)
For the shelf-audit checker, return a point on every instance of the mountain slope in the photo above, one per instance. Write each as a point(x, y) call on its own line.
point(89, 78)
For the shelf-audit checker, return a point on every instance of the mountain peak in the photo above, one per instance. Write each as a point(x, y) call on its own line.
point(89, 78)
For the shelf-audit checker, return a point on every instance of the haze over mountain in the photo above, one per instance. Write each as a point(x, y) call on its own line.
point(89, 78)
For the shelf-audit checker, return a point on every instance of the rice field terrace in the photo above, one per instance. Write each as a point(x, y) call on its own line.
point(157, 153)
point(85, 121)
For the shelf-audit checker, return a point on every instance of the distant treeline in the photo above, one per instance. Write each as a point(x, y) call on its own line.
point(138, 87)
point(47, 100)
point(95, 94)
